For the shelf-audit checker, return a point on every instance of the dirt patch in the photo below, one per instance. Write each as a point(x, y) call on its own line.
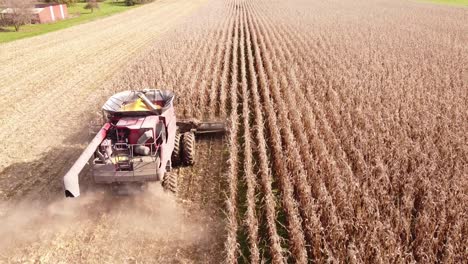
point(102, 227)
point(38, 224)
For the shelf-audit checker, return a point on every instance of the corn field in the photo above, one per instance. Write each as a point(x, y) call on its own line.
point(348, 128)
point(348, 125)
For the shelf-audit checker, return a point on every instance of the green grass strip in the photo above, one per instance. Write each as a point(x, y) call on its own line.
point(77, 12)
point(449, 2)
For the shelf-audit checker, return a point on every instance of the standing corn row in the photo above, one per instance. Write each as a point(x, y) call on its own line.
point(306, 201)
point(299, 127)
point(232, 225)
point(251, 219)
point(216, 73)
point(204, 80)
point(295, 230)
point(264, 170)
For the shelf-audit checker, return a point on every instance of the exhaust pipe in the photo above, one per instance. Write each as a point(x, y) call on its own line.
point(71, 179)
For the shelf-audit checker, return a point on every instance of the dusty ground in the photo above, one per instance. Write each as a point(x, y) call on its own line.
point(99, 227)
point(52, 87)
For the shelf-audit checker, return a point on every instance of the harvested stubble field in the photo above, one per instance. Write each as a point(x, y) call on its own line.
point(348, 131)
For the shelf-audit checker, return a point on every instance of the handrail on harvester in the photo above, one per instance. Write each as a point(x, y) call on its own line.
point(71, 179)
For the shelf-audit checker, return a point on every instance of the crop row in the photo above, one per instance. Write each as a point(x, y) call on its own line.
point(340, 148)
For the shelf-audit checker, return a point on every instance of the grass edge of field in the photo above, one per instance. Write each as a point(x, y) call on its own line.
point(459, 3)
point(107, 8)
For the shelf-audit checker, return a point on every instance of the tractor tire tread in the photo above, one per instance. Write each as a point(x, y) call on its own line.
point(176, 153)
point(169, 182)
point(188, 148)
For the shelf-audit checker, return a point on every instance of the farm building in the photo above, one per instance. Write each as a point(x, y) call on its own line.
point(43, 13)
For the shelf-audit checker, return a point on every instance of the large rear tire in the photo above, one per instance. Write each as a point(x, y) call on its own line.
point(169, 182)
point(176, 153)
point(188, 148)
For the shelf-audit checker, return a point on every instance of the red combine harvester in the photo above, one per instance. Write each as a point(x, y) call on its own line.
point(140, 141)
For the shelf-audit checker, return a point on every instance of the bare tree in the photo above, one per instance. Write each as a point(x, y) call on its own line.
point(92, 4)
point(18, 12)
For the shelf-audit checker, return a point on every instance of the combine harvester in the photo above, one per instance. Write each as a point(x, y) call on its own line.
point(139, 142)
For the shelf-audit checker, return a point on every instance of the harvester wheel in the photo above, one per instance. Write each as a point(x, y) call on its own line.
point(169, 182)
point(188, 148)
point(176, 153)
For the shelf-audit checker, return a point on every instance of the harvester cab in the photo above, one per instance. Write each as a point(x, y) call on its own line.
point(140, 141)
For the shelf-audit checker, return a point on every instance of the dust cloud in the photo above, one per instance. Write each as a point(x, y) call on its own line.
point(27, 221)
point(151, 222)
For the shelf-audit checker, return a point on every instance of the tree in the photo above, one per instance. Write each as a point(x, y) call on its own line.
point(134, 2)
point(67, 2)
point(19, 12)
point(92, 4)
